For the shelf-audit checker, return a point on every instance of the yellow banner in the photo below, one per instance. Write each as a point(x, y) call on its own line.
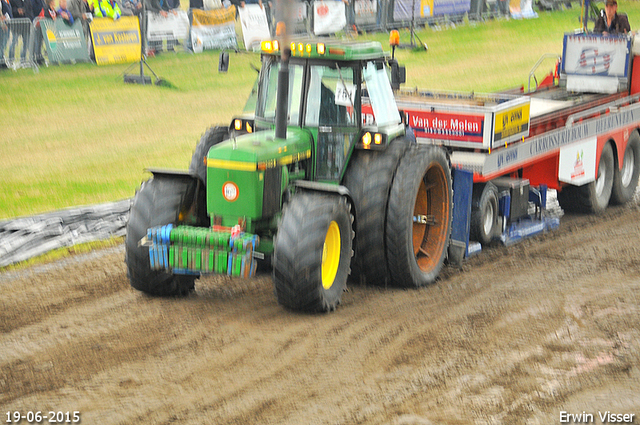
point(213, 17)
point(512, 121)
point(116, 41)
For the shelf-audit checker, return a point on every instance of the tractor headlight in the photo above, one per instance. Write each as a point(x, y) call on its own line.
point(372, 140)
point(242, 125)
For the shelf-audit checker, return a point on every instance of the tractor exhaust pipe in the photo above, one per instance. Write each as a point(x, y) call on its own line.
point(282, 96)
point(282, 99)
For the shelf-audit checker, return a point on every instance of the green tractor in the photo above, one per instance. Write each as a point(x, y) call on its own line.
point(320, 182)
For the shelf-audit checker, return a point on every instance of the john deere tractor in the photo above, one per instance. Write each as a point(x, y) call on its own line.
point(320, 182)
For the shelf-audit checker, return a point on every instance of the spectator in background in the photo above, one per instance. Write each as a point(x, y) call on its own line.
point(64, 13)
point(37, 6)
point(48, 12)
point(7, 14)
point(131, 7)
point(81, 11)
point(21, 10)
point(163, 7)
point(610, 23)
point(106, 9)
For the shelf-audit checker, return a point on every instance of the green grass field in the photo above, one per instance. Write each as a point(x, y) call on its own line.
point(76, 134)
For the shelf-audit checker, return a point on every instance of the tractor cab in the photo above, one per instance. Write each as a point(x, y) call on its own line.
point(334, 90)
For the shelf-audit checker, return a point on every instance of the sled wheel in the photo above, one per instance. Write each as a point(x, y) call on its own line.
point(484, 213)
point(625, 180)
point(592, 197)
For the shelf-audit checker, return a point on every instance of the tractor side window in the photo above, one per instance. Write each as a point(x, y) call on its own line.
point(267, 102)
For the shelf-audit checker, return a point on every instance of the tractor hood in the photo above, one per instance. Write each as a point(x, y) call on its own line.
point(260, 151)
point(247, 175)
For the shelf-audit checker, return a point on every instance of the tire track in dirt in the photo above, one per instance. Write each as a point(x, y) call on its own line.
point(513, 336)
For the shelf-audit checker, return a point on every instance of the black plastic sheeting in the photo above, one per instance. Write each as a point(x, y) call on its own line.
point(27, 237)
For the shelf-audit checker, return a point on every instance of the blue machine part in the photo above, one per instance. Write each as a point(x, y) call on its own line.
point(462, 194)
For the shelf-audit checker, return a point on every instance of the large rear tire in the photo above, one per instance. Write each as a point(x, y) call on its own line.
point(419, 217)
point(625, 180)
point(159, 201)
point(369, 178)
point(210, 138)
point(592, 197)
point(485, 220)
point(312, 252)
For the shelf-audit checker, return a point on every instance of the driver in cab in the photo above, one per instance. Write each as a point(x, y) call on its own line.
point(610, 23)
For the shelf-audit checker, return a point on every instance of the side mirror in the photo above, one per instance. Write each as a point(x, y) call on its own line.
point(398, 74)
point(223, 63)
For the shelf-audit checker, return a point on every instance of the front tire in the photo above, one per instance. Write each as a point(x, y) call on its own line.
point(159, 201)
point(419, 217)
point(592, 197)
point(312, 252)
point(625, 180)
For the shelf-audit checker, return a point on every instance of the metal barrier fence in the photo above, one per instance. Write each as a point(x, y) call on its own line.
point(17, 41)
point(21, 41)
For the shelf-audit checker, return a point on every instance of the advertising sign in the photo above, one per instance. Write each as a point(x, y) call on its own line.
point(116, 41)
point(255, 28)
point(64, 42)
point(464, 127)
point(328, 17)
point(213, 29)
point(174, 26)
point(596, 55)
point(577, 164)
point(511, 122)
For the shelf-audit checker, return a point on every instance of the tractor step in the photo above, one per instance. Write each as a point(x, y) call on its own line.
point(197, 250)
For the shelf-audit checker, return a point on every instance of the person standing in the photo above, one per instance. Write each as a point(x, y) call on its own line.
point(64, 13)
point(5, 17)
point(610, 23)
point(21, 10)
point(106, 9)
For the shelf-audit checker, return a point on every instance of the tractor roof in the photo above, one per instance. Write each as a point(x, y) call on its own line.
point(327, 49)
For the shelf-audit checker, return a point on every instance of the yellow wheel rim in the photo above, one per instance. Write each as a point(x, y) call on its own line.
point(330, 255)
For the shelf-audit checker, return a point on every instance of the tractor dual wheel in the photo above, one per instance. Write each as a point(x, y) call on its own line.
point(625, 178)
point(485, 220)
point(368, 179)
point(159, 201)
point(312, 252)
point(592, 197)
point(210, 138)
point(419, 217)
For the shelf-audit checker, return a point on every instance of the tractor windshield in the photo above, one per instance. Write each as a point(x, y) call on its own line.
point(266, 107)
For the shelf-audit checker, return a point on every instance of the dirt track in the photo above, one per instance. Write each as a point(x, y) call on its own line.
point(516, 336)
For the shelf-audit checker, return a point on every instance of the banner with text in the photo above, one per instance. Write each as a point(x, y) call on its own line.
point(255, 28)
point(213, 29)
point(64, 43)
point(405, 10)
point(328, 17)
point(116, 41)
point(173, 28)
point(366, 11)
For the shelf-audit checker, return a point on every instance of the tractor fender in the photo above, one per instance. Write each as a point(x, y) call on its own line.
point(330, 188)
